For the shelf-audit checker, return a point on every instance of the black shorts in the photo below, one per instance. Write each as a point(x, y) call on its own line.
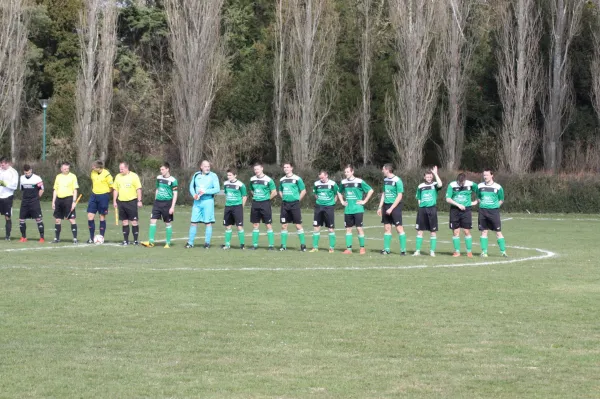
point(160, 210)
point(489, 219)
point(324, 216)
point(233, 215)
point(30, 210)
point(261, 212)
point(395, 218)
point(427, 219)
point(6, 205)
point(461, 219)
point(353, 219)
point(128, 210)
point(62, 208)
point(291, 213)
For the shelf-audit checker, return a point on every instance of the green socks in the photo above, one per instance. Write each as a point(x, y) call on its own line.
point(316, 236)
point(228, 234)
point(502, 244)
point(402, 242)
point(419, 242)
point(152, 233)
point(284, 237)
point(271, 237)
point(456, 242)
point(348, 240)
point(484, 244)
point(331, 240)
point(433, 243)
point(387, 242)
point(241, 237)
point(469, 243)
point(301, 237)
point(255, 235)
point(361, 241)
point(169, 231)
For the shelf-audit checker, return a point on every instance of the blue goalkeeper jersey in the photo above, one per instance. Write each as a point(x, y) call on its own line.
point(209, 183)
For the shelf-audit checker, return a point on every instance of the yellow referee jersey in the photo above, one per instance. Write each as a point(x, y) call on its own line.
point(101, 182)
point(127, 186)
point(65, 185)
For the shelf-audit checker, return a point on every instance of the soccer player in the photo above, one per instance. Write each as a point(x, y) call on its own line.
point(127, 198)
point(291, 190)
point(64, 198)
point(390, 209)
point(9, 179)
point(165, 199)
point(427, 219)
point(459, 196)
point(325, 192)
point(203, 187)
point(235, 201)
point(490, 196)
point(32, 189)
point(354, 194)
point(102, 182)
point(263, 191)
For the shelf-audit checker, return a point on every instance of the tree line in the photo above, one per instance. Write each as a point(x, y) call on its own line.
point(511, 84)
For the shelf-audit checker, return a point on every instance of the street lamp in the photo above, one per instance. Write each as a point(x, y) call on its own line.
point(44, 104)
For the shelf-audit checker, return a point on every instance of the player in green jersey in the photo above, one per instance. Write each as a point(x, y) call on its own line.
point(263, 191)
point(490, 196)
point(325, 192)
point(460, 197)
point(427, 214)
point(390, 209)
point(165, 198)
point(235, 200)
point(291, 191)
point(354, 194)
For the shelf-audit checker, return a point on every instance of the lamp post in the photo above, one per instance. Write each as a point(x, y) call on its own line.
point(44, 104)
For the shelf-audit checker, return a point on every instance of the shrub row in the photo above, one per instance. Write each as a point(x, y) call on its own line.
point(535, 193)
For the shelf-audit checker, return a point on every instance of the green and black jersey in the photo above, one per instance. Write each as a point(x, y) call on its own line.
point(427, 194)
point(325, 192)
point(353, 190)
point(392, 186)
point(462, 195)
point(165, 187)
point(235, 191)
point(291, 187)
point(261, 188)
point(490, 195)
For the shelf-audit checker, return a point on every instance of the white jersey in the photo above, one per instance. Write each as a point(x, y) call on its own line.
point(10, 177)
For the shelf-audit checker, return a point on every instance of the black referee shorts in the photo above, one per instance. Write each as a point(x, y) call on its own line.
point(30, 210)
point(324, 216)
point(160, 210)
point(62, 208)
point(353, 219)
point(461, 219)
point(233, 215)
point(261, 212)
point(291, 213)
point(427, 219)
point(6, 205)
point(489, 219)
point(394, 218)
point(128, 210)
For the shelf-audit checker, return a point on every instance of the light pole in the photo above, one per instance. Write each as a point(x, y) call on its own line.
point(44, 104)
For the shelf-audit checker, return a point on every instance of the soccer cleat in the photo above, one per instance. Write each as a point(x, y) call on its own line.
point(23, 239)
point(167, 246)
point(75, 241)
point(432, 254)
point(456, 254)
point(331, 250)
point(403, 253)
point(206, 245)
point(504, 254)
point(302, 248)
point(7, 238)
point(125, 243)
point(253, 248)
point(469, 254)
point(314, 250)
point(283, 249)
point(484, 255)
point(269, 249)
point(362, 251)
point(90, 241)
point(417, 253)
point(55, 241)
point(147, 244)
point(348, 251)
point(42, 241)
point(136, 243)
point(225, 247)
point(385, 252)
point(242, 246)
point(188, 245)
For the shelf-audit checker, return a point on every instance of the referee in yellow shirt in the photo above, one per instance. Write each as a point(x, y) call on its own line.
point(102, 182)
point(63, 200)
point(127, 198)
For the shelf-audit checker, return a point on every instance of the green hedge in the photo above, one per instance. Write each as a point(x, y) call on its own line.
point(535, 192)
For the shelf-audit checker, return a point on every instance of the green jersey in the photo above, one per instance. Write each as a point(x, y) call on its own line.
point(354, 190)
point(461, 194)
point(165, 186)
point(235, 191)
point(392, 186)
point(291, 187)
point(261, 188)
point(490, 195)
point(325, 192)
point(427, 194)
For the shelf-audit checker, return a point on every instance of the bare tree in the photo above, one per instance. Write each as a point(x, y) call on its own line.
point(410, 109)
point(519, 81)
point(369, 12)
point(564, 19)
point(313, 35)
point(199, 57)
point(97, 38)
point(14, 28)
point(280, 70)
point(458, 45)
point(595, 68)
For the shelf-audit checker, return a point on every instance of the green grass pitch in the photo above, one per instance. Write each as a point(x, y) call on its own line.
point(105, 321)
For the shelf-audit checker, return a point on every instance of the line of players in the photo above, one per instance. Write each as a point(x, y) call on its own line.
point(353, 193)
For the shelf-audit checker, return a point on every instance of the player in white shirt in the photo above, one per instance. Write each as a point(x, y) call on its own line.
point(9, 180)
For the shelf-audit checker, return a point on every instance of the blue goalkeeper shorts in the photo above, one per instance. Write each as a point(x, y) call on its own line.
point(203, 211)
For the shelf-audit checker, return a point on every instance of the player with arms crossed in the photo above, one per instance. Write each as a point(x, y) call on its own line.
point(64, 200)
point(102, 182)
point(325, 192)
point(390, 209)
point(165, 198)
point(9, 180)
point(490, 196)
point(263, 191)
point(291, 190)
point(427, 214)
point(459, 195)
point(203, 187)
point(352, 197)
point(127, 198)
point(32, 188)
point(235, 201)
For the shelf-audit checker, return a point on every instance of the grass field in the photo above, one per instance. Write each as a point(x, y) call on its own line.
point(105, 321)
